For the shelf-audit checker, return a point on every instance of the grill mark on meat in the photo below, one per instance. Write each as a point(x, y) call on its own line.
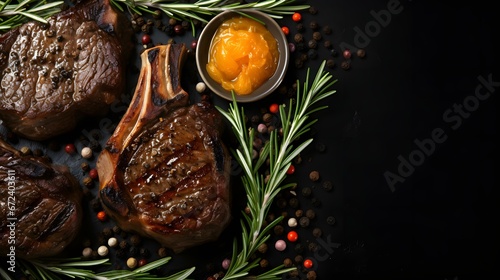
point(165, 171)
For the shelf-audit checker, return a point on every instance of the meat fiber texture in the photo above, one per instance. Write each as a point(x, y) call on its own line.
point(40, 205)
point(54, 75)
point(164, 173)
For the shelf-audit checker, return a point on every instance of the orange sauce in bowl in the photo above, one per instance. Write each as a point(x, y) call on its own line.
point(243, 55)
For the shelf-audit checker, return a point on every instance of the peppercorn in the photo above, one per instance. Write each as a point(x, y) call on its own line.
point(87, 252)
point(313, 247)
point(312, 53)
point(96, 204)
point(117, 229)
point(312, 44)
point(298, 259)
point(299, 248)
point(124, 244)
point(304, 221)
point(162, 252)
point(317, 232)
point(314, 176)
point(262, 248)
point(86, 152)
point(178, 29)
point(121, 253)
point(37, 152)
point(278, 230)
point(320, 147)
point(300, 46)
point(296, 17)
point(300, 27)
point(316, 202)
point(102, 251)
point(313, 10)
point(102, 216)
point(285, 30)
point(314, 25)
point(185, 24)
point(330, 220)
point(262, 128)
point(135, 240)
point(287, 262)
point(133, 251)
point(107, 232)
point(280, 245)
point(327, 185)
point(293, 202)
point(304, 57)
point(85, 166)
point(299, 213)
point(317, 36)
point(292, 236)
point(70, 148)
point(361, 53)
point(298, 38)
point(281, 203)
point(101, 240)
point(327, 44)
point(146, 29)
point(131, 262)
point(264, 263)
point(306, 191)
point(292, 222)
point(327, 30)
point(311, 275)
point(298, 63)
point(172, 21)
point(88, 182)
point(267, 117)
point(310, 214)
point(346, 65)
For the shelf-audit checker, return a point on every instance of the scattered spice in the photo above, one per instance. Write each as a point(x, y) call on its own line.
point(314, 176)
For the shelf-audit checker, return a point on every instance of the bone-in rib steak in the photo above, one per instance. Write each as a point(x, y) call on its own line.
point(165, 171)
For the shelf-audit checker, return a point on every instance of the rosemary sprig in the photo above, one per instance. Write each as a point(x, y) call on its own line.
point(280, 151)
point(202, 10)
point(15, 14)
point(55, 269)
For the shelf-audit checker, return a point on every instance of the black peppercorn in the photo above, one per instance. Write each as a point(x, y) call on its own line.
point(320, 147)
point(298, 38)
point(264, 263)
point(144, 253)
point(346, 65)
point(311, 275)
point(310, 214)
point(88, 182)
point(317, 232)
point(327, 185)
point(361, 53)
point(314, 25)
point(262, 248)
point(314, 176)
point(333, 52)
point(107, 232)
point(300, 27)
point(299, 213)
point(330, 63)
point(121, 253)
point(287, 262)
point(306, 191)
point(294, 202)
point(312, 44)
point(304, 221)
point(317, 36)
point(133, 251)
point(162, 252)
point(313, 10)
point(278, 230)
point(316, 202)
point(298, 259)
point(124, 244)
point(330, 220)
point(327, 44)
point(299, 248)
point(135, 240)
point(313, 247)
point(327, 30)
point(312, 53)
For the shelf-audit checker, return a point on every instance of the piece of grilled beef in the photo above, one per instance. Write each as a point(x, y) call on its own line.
point(40, 205)
point(165, 171)
point(54, 75)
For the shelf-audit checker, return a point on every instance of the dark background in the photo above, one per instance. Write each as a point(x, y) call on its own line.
point(440, 222)
point(439, 219)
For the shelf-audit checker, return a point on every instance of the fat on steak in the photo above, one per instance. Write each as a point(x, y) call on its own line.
point(165, 171)
point(40, 205)
point(54, 75)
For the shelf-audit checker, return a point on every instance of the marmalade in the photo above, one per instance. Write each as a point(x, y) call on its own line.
point(243, 55)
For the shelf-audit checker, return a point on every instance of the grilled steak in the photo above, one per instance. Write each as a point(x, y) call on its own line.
point(40, 205)
point(55, 74)
point(165, 171)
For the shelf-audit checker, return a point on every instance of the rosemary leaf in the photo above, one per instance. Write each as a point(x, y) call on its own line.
point(280, 151)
